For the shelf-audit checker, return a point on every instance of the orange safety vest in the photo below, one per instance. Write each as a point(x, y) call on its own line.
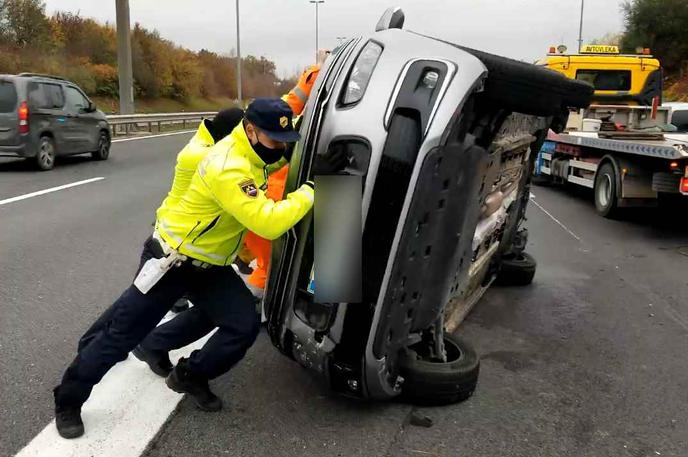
point(298, 96)
point(254, 244)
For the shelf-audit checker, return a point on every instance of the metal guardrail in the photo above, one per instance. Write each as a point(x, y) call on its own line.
point(125, 124)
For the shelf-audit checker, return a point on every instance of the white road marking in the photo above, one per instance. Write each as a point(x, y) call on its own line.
point(554, 219)
point(47, 191)
point(152, 136)
point(124, 413)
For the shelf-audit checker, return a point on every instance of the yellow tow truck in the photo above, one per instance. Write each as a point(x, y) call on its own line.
point(621, 146)
point(619, 79)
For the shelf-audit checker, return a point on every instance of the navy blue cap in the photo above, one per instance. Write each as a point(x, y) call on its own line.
point(273, 116)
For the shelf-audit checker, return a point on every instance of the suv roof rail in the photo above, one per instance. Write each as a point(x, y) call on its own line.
point(41, 75)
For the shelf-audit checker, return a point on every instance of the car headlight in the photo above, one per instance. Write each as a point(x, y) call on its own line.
point(360, 74)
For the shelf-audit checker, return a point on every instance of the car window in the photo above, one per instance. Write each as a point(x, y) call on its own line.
point(680, 120)
point(75, 99)
point(8, 97)
point(46, 96)
point(606, 79)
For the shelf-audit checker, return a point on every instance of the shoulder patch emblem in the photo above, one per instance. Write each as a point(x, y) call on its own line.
point(284, 121)
point(249, 188)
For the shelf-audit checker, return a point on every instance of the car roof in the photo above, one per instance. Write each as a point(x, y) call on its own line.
point(35, 77)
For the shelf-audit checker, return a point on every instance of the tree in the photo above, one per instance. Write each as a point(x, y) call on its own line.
point(24, 23)
point(611, 38)
point(662, 26)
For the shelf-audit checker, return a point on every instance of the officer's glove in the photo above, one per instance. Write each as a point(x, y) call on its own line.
point(333, 161)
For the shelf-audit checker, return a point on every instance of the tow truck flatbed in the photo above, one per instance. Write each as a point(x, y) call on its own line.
point(673, 147)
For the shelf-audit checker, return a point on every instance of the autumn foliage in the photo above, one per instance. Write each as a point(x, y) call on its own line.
point(85, 52)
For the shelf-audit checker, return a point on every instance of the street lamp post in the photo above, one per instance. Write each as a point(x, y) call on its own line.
point(580, 29)
point(239, 95)
point(124, 63)
point(317, 3)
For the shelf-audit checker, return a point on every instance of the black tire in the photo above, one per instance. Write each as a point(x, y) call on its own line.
point(428, 382)
point(518, 270)
point(530, 89)
point(45, 156)
point(606, 202)
point(103, 151)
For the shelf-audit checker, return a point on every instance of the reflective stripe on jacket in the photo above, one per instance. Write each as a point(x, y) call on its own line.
point(298, 96)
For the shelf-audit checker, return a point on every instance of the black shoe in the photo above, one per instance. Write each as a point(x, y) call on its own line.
point(68, 422)
point(180, 305)
point(182, 381)
point(159, 363)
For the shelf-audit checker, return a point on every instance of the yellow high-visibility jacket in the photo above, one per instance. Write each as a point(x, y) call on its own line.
point(187, 162)
point(225, 198)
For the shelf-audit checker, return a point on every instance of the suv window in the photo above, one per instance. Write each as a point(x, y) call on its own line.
point(8, 97)
point(46, 96)
point(75, 99)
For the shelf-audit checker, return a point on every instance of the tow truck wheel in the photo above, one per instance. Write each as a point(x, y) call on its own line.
point(518, 270)
point(429, 381)
point(606, 202)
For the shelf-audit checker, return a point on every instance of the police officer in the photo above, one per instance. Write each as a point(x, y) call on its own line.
point(190, 252)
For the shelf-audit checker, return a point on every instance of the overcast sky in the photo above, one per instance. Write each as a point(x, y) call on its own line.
point(284, 30)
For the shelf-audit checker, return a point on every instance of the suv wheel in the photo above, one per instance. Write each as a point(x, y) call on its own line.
point(103, 151)
point(45, 157)
point(517, 270)
point(434, 382)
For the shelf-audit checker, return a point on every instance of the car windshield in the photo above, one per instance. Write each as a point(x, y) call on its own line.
point(8, 97)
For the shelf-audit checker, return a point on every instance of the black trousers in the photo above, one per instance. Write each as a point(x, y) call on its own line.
point(219, 296)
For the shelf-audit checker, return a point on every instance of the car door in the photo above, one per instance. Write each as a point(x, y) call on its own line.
point(9, 119)
point(82, 125)
point(46, 105)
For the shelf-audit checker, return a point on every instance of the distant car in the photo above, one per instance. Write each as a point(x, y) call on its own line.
point(444, 138)
point(42, 117)
point(679, 115)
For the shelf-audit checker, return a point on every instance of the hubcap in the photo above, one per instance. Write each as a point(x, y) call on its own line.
point(46, 153)
point(103, 146)
point(604, 190)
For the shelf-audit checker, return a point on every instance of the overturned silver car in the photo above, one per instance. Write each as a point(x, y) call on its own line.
point(444, 138)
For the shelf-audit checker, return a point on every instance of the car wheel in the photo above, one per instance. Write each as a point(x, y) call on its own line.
point(103, 151)
point(430, 381)
point(45, 157)
point(518, 270)
point(606, 202)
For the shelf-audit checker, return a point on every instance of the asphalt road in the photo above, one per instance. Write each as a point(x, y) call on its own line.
point(588, 361)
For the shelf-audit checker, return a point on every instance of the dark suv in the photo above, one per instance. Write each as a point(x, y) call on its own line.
point(43, 116)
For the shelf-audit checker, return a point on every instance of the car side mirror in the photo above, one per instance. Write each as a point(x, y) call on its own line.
point(91, 108)
point(392, 18)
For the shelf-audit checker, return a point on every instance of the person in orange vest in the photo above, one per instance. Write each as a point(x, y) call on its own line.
point(256, 247)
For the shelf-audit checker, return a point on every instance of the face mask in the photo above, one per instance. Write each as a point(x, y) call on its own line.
point(266, 154)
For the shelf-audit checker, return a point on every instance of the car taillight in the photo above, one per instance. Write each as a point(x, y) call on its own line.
point(684, 185)
point(23, 118)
